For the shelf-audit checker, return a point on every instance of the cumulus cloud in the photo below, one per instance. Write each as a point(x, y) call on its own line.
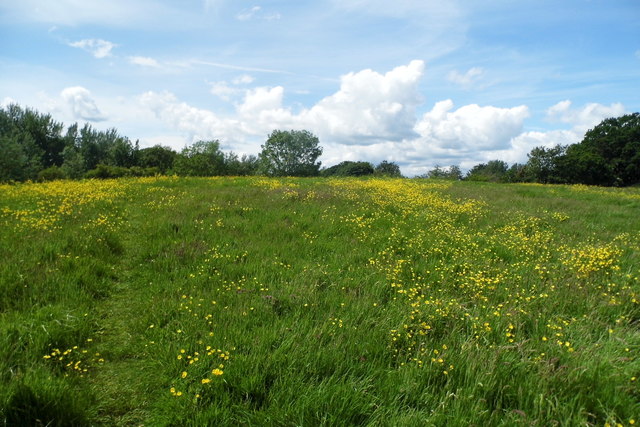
point(372, 116)
point(369, 108)
point(97, 47)
point(579, 121)
point(585, 118)
point(83, 106)
point(466, 79)
point(195, 122)
point(261, 99)
point(470, 127)
point(144, 61)
point(369, 105)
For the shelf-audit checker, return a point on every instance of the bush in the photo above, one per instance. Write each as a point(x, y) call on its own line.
point(106, 172)
point(51, 174)
point(349, 168)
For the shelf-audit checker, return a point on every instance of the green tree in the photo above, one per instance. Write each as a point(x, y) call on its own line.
point(516, 173)
point(291, 153)
point(157, 156)
point(386, 168)
point(14, 163)
point(241, 166)
point(122, 152)
point(543, 165)
point(608, 155)
point(453, 172)
point(493, 170)
point(203, 158)
point(74, 164)
point(40, 135)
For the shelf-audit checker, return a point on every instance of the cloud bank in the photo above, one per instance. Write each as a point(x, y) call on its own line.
point(371, 116)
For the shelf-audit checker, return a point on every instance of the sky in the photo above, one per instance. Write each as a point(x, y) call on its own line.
point(421, 83)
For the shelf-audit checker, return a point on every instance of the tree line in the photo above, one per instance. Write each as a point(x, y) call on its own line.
point(608, 155)
point(33, 146)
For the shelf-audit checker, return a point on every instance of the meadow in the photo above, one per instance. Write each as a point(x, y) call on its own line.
point(263, 301)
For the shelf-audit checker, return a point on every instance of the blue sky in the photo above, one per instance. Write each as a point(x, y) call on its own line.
point(421, 83)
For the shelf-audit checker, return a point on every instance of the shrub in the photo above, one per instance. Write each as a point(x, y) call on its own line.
point(51, 173)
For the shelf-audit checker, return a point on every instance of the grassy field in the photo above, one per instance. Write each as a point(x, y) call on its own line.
point(255, 301)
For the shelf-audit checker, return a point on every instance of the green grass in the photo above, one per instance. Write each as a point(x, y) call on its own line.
point(254, 301)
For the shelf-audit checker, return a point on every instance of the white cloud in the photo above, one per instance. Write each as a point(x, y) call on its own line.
point(272, 17)
point(228, 66)
point(97, 47)
point(470, 127)
point(243, 79)
point(372, 116)
point(261, 99)
point(82, 104)
point(223, 90)
point(226, 91)
point(256, 13)
point(522, 144)
point(195, 122)
point(368, 108)
point(580, 121)
point(369, 105)
point(144, 61)
point(247, 14)
point(584, 118)
point(466, 79)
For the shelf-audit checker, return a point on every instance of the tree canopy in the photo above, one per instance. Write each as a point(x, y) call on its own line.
point(453, 172)
point(349, 168)
point(291, 153)
point(609, 154)
point(203, 158)
point(389, 169)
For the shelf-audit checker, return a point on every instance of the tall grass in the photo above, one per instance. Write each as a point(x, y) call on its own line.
point(226, 301)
